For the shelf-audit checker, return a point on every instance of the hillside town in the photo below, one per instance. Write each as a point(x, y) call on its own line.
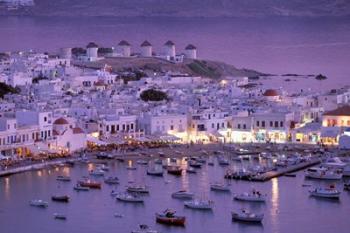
point(55, 106)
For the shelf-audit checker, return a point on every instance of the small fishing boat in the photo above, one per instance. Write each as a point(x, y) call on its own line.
point(169, 217)
point(78, 188)
point(97, 172)
point(111, 180)
point(191, 170)
point(329, 192)
point(144, 229)
point(59, 216)
point(63, 198)
point(174, 170)
point(253, 196)
point(154, 171)
point(90, 184)
point(182, 194)
point(220, 187)
point(63, 178)
point(142, 189)
point(246, 216)
point(127, 197)
point(39, 203)
point(199, 204)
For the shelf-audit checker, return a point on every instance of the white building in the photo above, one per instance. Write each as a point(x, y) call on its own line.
point(124, 49)
point(146, 49)
point(191, 51)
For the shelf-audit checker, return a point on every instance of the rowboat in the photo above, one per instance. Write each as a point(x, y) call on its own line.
point(59, 216)
point(90, 184)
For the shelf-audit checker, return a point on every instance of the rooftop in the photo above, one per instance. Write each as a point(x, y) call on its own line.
point(342, 111)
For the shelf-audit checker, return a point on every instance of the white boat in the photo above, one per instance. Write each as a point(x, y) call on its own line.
point(39, 203)
point(253, 196)
point(137, 189)
point(220, 187)
point(126, 197)
point(144, 229)
point(102, 167)
point(63, 178)
point(323, 173)
point(182, 194)
point(97, 172)
point(78, 187)
point(334, 162)
point(60, 216)
point(111, 180)
point(199, 204)
point(155, 171)
point(246, 216)
point(329, 192)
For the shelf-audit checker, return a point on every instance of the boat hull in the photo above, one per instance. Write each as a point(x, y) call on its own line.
point(176, 221)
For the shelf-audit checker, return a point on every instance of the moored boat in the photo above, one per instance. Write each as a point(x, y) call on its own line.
point(169, 217)
point(127, 197)
point(246, 216)
point(347, 186)
point(182, 194)
point(174, 170)
point(97, 172)
point(63, 198)
point(90, 184)
point(78, 187)
point(253, 196)
point(323, 173)
point(220, 187)
point(111, 180)
point(39, 203)
point(63, 178)
point(60, 216)
point(138, 189)
point(329, 192)
point(154, 171)
point(199, 204)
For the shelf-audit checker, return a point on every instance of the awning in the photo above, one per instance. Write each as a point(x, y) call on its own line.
point(95, 140)
point(330, 132)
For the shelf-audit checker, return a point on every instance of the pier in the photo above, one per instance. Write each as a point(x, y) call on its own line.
point(282, 171)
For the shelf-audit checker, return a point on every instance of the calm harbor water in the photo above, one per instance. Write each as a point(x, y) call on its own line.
point(271, 45)
point(288, 209)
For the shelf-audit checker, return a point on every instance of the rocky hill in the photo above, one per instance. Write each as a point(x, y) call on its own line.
point(204, 68)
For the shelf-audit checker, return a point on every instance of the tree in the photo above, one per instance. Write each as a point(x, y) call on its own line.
point(153, 95)
point(6, 89)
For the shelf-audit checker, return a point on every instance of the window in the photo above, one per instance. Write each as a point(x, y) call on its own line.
point(271, 123)
point(171, 127)
point(281, 124)
point(45, 119)
point(263, 124)
point(132, 126)
point(276, 124)
point(244, 126)
point(239, 126)
point(107, 128)
point(257, 123)
point(213, 125)
point(222, 125)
